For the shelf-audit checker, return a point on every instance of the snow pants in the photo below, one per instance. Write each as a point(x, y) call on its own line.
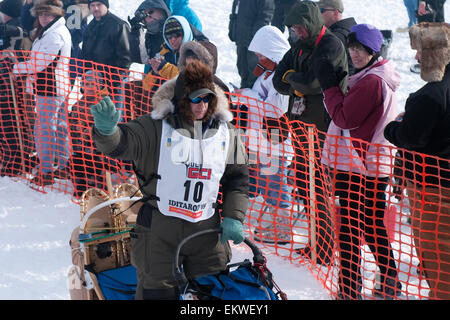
point(430, 223)
point(153, 246)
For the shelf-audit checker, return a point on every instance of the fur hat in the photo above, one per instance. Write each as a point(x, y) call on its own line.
point(195, 76)
point(105, 2)
point(433, 40)
point(11, 8)
point(204, 51)
point(367, 35)
point(54, 7)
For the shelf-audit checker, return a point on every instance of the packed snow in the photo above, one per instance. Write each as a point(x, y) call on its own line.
point(35, 228)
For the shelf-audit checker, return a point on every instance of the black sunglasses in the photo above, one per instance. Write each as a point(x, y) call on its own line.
point(173, 35)
point(322, 10)
point(205, 99)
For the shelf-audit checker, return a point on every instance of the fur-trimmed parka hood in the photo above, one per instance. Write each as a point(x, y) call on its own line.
point(205, 51)
point(163, 102)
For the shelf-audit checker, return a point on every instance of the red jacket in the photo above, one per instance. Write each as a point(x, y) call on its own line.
point(359, 118)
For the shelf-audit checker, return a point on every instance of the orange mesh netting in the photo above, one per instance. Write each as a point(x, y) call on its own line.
point(365, 226)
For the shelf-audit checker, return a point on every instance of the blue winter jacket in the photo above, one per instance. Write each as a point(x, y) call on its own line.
point(181, 8)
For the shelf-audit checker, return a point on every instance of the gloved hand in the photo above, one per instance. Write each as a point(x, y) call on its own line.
point(232, 229)
point(324, 71)
point(106, 116)
point(135, 23)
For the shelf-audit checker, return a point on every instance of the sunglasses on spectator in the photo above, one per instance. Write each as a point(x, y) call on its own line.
point(205, 99)
point(322, 10)
point(173, 35)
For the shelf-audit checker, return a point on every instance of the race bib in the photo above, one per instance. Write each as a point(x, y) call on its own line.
point(298, 106)
point(190, 170)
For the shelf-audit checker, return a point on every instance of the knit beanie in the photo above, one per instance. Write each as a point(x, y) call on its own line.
point(54, 7)
point(366, 35)
point(11, 8)
point(172, 26)
point(105, 2)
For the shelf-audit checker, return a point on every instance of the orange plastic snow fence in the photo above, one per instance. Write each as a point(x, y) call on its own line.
point(366, 229)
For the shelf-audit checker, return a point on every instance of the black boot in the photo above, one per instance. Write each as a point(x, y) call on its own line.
point(389, 288)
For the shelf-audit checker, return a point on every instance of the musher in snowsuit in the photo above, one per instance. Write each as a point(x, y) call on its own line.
point(179, 173)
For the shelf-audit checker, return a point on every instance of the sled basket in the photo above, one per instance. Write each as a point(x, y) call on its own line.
point(240, 281)
point(118, 284)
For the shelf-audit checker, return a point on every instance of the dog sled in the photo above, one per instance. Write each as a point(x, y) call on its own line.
point(102, 268)
point(239, 281)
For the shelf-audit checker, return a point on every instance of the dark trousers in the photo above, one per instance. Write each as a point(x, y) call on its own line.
point(10, 153)
point(321, 203)
point(282, 8)
point(363, 205)
point(9, 141)
point(87, 172)
point(246, 63)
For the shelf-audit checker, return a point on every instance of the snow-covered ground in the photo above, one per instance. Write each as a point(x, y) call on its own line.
point(35, 228)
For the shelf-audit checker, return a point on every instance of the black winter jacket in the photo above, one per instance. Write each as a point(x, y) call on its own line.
point(321, 44)
point(106, 41)
point(341, 29)
point(425, 128)
point(250, 17)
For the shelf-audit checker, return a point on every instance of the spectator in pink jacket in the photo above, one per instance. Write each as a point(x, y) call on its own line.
point(358, 156)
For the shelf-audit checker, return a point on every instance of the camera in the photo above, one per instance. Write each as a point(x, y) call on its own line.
point(137, 21)
point(140, 15)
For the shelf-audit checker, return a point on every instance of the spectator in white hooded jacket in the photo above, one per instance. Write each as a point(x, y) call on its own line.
point(269, 157)
point(48, 78)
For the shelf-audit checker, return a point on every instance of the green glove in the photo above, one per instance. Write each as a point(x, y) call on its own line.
point(232, 229)
point(106, 116)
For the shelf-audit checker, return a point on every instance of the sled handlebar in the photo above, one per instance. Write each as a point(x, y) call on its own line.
point(179, 275)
